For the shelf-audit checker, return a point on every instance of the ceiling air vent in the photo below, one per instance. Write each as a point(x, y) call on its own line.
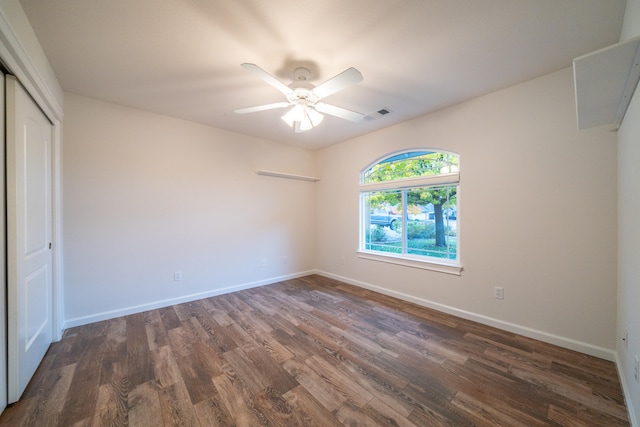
point(377, 114)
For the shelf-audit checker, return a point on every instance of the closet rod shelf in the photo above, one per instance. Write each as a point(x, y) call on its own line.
point(287, 175)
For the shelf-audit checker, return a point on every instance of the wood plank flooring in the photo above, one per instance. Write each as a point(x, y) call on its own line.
point(312, 352)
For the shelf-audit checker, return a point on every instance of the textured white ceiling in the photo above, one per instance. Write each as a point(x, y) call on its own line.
point(182, 57)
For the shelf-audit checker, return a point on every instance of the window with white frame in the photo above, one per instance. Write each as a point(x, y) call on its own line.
point(409, 210)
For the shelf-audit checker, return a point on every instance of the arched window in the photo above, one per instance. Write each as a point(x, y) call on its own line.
point(409, 210)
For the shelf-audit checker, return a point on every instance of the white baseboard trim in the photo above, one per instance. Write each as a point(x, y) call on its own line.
point(633, 420)
point(106, 315)
point(582, 347)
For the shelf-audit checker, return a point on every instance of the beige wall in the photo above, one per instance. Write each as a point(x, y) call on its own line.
point(537, 215)
point(146, 195)
point(629, 232)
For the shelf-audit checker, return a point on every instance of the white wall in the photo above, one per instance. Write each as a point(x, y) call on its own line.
point(629, 232)
point(146, 195)
point(537, 215)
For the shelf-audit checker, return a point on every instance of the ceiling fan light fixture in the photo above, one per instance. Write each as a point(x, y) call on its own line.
point(305, 124)
point(293, 115)
point(299, 113)
point(302, 118)
point(287, 119)
point(315, 117)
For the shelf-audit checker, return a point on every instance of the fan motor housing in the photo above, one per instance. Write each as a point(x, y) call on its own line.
point(302, 96)
point(301, 74)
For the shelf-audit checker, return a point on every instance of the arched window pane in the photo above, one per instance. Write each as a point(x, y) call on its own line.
point(411, 164)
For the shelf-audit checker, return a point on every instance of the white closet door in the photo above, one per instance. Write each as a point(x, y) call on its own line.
point(29, 290)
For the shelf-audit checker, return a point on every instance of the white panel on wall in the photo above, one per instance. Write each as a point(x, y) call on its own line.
point(604, 82)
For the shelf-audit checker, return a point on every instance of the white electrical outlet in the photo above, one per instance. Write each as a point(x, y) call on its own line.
point(177, 276)
point(636, 369)
point(498, 292)
point(625, 339)
point(263, 262)
point(285, 259)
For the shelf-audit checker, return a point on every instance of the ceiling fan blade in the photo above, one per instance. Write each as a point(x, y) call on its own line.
point(345, 79)
point(267, 77)
point(343, 113)
point(262, 108)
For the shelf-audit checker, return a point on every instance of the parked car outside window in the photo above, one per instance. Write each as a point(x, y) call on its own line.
point(385, 218)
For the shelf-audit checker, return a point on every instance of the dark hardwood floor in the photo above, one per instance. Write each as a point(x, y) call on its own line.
point(312, 352)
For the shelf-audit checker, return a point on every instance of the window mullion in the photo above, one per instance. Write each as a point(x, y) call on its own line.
point(446, 224)
point(404, 221)
point(430, 180)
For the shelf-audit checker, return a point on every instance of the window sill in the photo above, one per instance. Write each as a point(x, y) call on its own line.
point(448, 268)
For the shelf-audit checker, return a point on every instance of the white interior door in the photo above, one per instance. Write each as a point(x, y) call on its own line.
point(29, 256)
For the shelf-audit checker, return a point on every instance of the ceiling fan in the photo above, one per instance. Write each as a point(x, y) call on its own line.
point(305, 98)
